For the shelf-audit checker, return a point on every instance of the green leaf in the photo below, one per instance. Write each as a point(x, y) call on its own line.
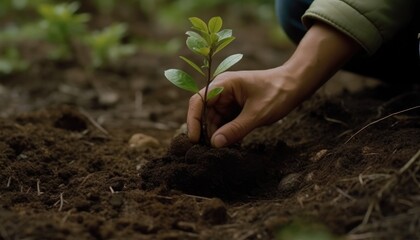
point(205, 63)
point(215, 24)
point(199, 24)
point(181, 79)
point(222, 44)
point(205, 51)
point(226, 33)
point(192, 64)
point(227, 63)
point(198, 36)
point(194, 44)
point(214, 39)
point(214, 92)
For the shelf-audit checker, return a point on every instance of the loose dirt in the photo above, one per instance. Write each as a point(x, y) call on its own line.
point(67, 170)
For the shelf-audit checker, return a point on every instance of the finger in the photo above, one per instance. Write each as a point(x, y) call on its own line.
point(233, 131)
point(193, 118)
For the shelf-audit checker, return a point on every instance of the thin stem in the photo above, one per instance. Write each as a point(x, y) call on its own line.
point(204, 138)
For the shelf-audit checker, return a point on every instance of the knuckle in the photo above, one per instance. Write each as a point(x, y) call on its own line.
point(237, 128)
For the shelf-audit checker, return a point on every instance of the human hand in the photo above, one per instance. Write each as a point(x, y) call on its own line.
point(250, 99)
point(255, 98)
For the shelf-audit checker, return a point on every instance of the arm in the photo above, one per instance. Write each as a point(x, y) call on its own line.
point(370, 23)
point(263, 97)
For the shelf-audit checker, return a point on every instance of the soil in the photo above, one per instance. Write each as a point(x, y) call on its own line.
point(346, 163)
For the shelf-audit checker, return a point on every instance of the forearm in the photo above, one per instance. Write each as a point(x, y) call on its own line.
point(320, 54)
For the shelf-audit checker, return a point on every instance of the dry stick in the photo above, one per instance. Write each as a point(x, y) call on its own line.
point(84, 180)
point(91, 120)
point(390, 183)
point(198, 197)
point(38, 187)
point(9, 181)
point(381, 119)
point(61, 202)
point(66, 217)
point(410, 162)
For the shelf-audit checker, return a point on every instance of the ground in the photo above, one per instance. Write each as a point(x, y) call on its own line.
point(344, 165)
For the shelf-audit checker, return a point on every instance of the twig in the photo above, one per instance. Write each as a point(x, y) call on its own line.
point(368, 213)
point(66, 217)
point(333, 120)
point(138, 102)
point(409, 163)
point(84, 180)
point(94, 123)
point(381, 119)
point(345, 194)
point(9, 181)
point(61, 202)
point(198, 197)
point(362, 236)
point(111, 189)
point(38, 187)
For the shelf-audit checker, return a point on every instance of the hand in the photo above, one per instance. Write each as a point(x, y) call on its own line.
point(250, 99)
point(254, 98)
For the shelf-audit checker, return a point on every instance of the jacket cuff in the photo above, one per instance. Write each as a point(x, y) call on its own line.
point(346, 19)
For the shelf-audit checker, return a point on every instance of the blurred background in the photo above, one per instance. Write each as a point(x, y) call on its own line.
point(104, 55)
point(125, 26)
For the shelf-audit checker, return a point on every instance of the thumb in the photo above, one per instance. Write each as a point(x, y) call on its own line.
point(233, 131)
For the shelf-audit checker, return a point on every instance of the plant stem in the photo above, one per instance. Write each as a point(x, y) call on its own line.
point(204, 136)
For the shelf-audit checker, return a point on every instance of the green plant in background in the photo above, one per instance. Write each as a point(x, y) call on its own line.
point(106, 45)
point(105, 6)
point(11, 61)
point(63, 26)
point(206, 40)
point(300, 229)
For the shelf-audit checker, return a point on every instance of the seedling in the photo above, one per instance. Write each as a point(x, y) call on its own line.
point(205, 40)
point(62, 26)
point(11, 61)
point(106, 45)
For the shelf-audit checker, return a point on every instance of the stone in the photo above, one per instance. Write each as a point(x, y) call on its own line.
point(140, 140)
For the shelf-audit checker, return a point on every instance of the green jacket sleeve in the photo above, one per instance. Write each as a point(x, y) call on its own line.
point(368, 22)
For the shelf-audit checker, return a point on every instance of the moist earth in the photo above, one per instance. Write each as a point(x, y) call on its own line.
point(344, 164)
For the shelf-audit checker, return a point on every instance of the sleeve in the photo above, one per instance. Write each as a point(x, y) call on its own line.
point(368, 22)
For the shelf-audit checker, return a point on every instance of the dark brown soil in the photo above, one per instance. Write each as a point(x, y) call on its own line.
point(68, 171)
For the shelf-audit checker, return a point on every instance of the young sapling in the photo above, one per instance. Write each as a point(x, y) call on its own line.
point(63, 25)
point(106, 45)
point(205, 40)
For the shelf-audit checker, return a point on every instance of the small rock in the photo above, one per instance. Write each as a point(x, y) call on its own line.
point(273, 224)
point(140, 140)
point(186, 226)
point(289, 183)
point(116, 201)
point(108, 98)
point(310, 177)
point(144, 224)
point(181, 130)
point(215, 212)
point(319, 155)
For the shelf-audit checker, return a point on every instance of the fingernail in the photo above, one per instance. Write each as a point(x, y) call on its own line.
point(219, 141)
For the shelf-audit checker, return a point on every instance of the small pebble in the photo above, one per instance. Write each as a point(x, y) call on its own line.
point(116, 201)
point(140, 140)
point(319, 155)
point(215, 212)
point(290, 183)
